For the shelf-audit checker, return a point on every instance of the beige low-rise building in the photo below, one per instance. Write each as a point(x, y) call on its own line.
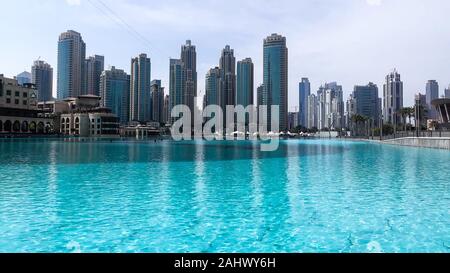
point(19, 114)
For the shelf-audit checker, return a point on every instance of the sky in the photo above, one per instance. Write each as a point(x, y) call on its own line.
point(353, 42)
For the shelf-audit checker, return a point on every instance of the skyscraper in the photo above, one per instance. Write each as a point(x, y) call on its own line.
point(447, 93)
point(157, 94)
point(330, 103)
point(213, 88)
point(393, 98)
point(304, 92)
point(312, 111)
point(94, 67)
point(245, 82)
point(276, 78)
point(166, 110)
point(432, 93)
point(24, 78)
point(140, 108)
point(177, 83)
point(71, 58)
point(366, 102)
point(42, 77)
point(259, 95)
point(189, 59)
point(227, 67)
point(115, 92)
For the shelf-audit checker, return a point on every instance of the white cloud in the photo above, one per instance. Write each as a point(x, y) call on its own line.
point(73, 2)
point(374, 2)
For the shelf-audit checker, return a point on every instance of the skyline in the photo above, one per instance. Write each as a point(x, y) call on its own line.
point(323, 50)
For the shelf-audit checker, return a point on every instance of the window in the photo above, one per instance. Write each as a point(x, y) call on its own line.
point(8, 100)
point(25, 102)
point(8, 92)
point(98, 132)
point(93, 120)
point(98, 126)
point(17, 94)
point(16, 101)
point(25, 94)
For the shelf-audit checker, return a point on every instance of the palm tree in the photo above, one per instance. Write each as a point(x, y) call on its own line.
point(404, 112)
point(358, 120)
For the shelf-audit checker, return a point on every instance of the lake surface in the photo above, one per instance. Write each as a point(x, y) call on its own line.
point(308, 196)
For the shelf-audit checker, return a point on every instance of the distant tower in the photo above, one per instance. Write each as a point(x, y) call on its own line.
point(245, 82)
point(42, 77)
point(432, 93)
point(71, 58)
point(304, 92)
point(227, 67)
point(276, 78)
point(157, 94)
point(393, 98)
point(94, 67)
point(24, 78)
point(115, 92)
point(177, 84)
point(140, 108)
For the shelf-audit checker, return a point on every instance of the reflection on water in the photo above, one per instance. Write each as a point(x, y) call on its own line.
point(309, 196)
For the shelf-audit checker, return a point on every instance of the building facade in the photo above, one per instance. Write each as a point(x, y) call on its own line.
point(213, 87)
point(330, 104)
point(227, 65)
point(94, 67)
point(71, 58)
point(189, 60)
point(19, 113)
point(245, 82)
point(312, 112)
point(115, 93)
point(140, 107)
point(42, 78)
point(432, 93)
point(304, 92)
point(24, 78)
point(447, 93)
point(366, 102)
point(393, 98)
point(177, 83)
point(157, 94)
point(276, 78)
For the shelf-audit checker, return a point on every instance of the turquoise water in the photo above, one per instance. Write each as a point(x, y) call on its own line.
point(309, 196)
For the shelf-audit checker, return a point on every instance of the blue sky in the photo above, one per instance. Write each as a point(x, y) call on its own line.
point(348, 41)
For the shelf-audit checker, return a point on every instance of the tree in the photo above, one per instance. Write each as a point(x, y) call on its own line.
point(358, 120)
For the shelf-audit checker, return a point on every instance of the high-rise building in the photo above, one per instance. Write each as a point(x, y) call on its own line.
point(42, 78)
point(311, 109)
point(293, 120)
point(177, 83)
point(213, 88)
point(351, 110)
point(276, 78)
point(304, 92)
point(189, 59)
point(393, 98)
point(259, 95)
point(94, 67)
point(447, 93)
point(166, 110)
point(157, 94)
point(330, 112)
point(245, 82)
point(24, 78)
point(140, 108)
point(432, 93)
point(366, 102)
point(227, 67)
point(115, 92)
point(71, 58)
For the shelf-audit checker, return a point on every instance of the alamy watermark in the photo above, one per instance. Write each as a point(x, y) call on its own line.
point(235, 123)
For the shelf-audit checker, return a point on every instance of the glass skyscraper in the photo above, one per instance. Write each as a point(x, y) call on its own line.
point(213, 87)
point(71, 58)
point(140, 108)
point(366, 102)
point(432, 93)
point(94, 67)
point(177, 81)
point(157, 94)
point(42, 77)
point(245, 82)
point(304, 92)
point(115, 92)
point(24, 78)
point(227, 65)
point(276, 78)
point(189, 59)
